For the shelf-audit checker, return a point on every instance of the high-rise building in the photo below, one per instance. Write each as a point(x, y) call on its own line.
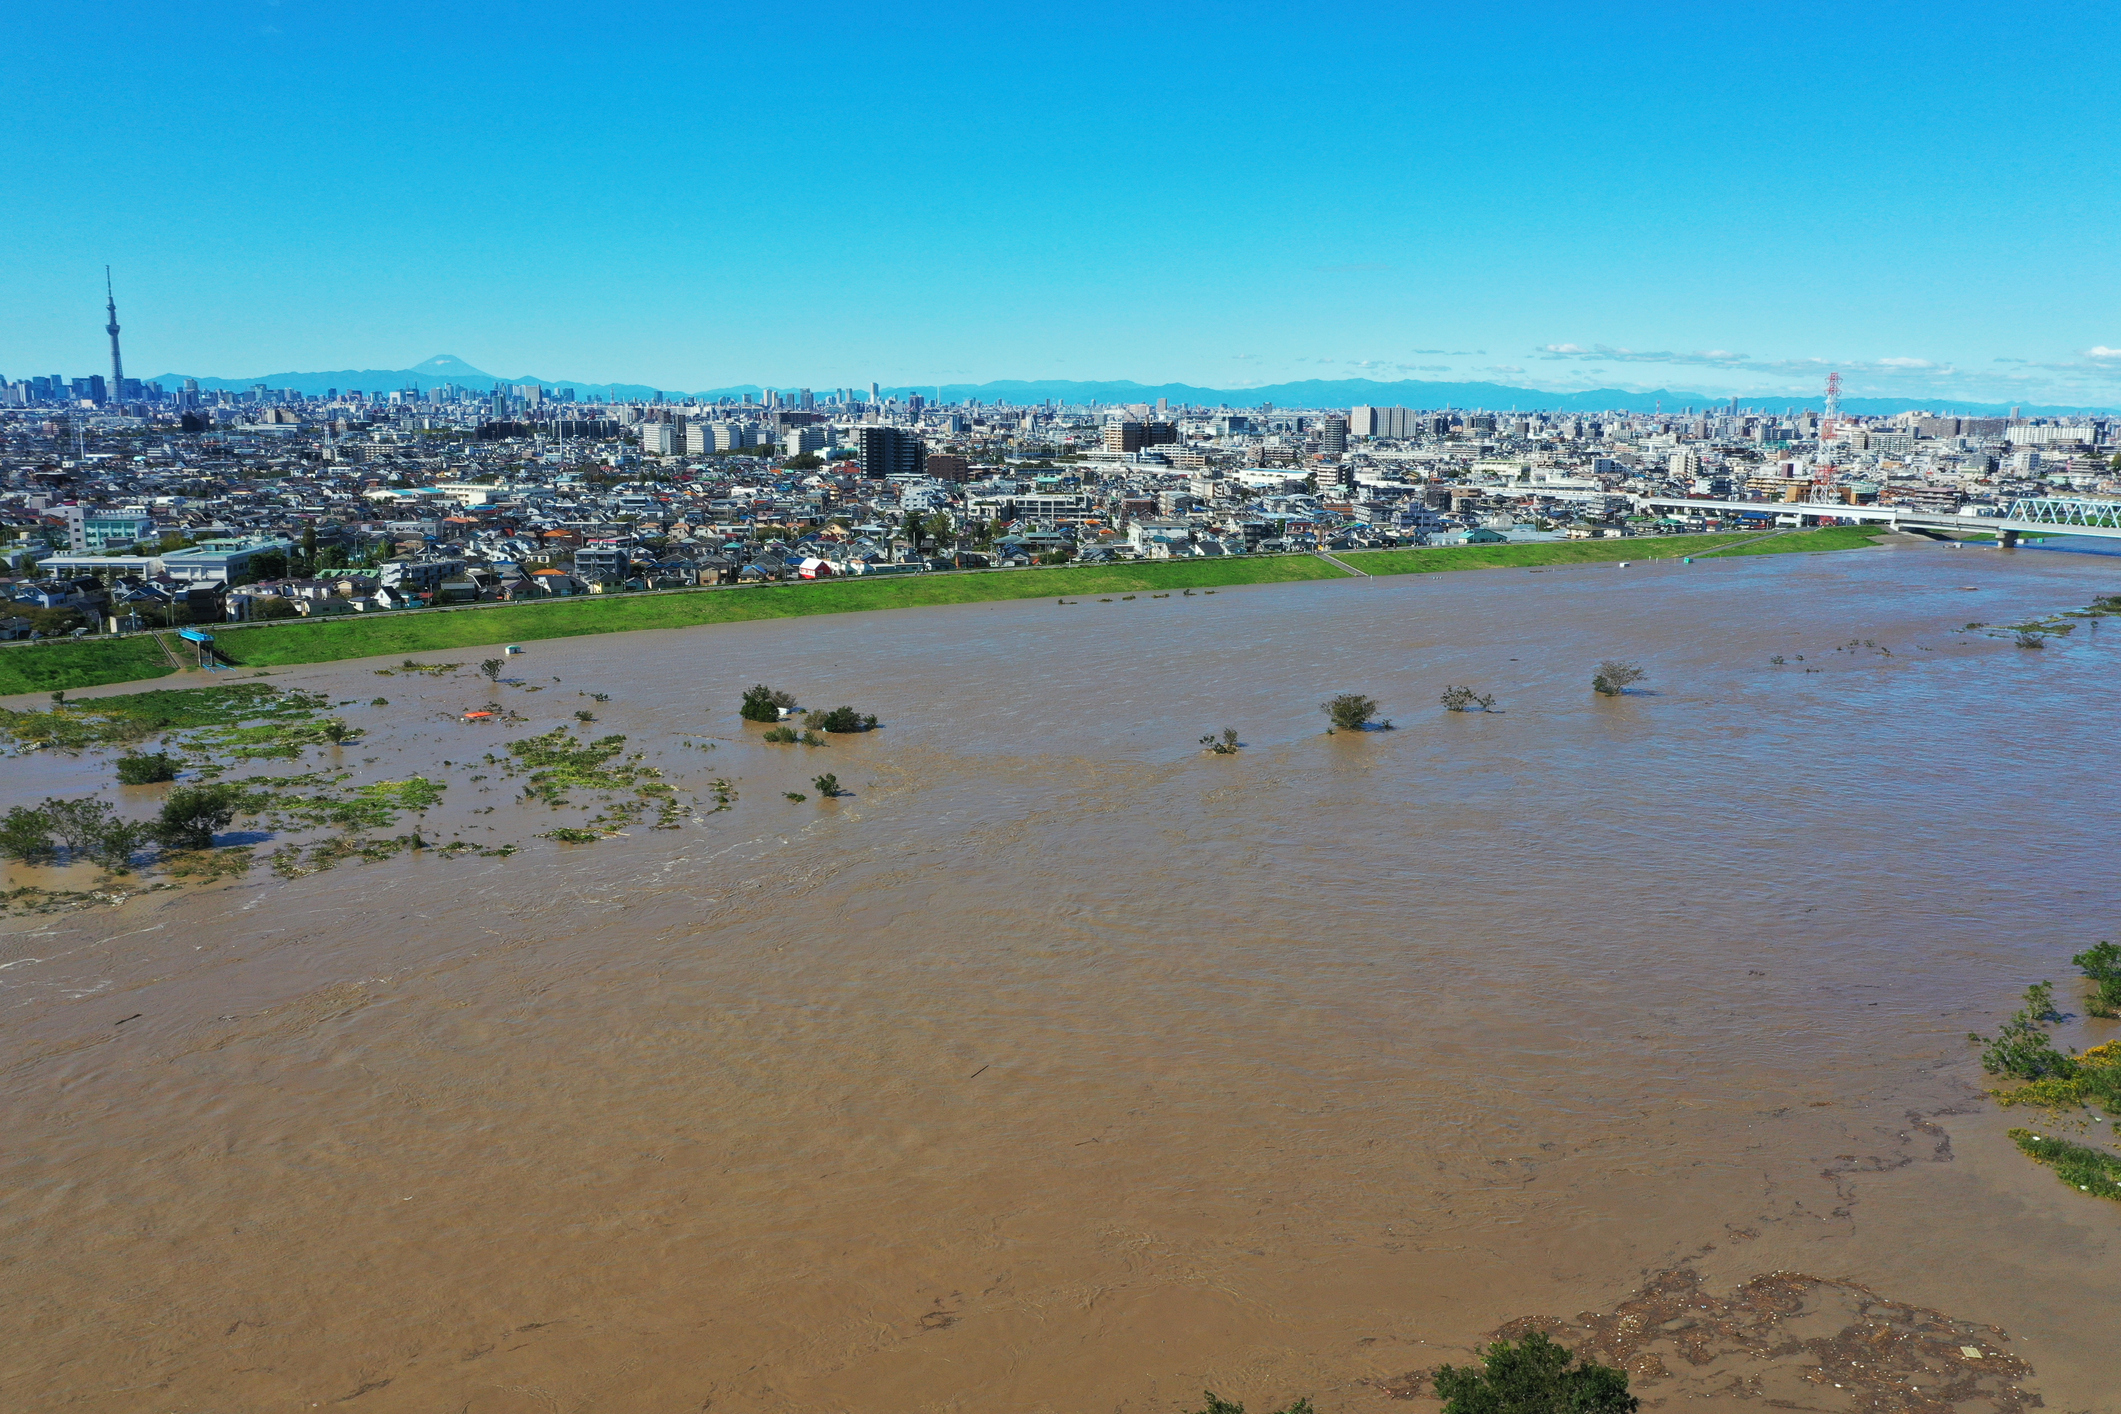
point(1123, 437)
point(891, 451)
point(1381, 422)
point(1333, 434)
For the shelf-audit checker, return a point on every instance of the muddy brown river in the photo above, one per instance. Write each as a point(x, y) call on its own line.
point(1061, 1066)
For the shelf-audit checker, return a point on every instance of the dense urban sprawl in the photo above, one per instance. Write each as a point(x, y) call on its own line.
point(171, 506)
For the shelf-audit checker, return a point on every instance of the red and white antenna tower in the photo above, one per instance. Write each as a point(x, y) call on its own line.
point(1833, 396)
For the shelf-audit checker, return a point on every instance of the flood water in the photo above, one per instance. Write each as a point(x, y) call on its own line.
point(1064, 1067)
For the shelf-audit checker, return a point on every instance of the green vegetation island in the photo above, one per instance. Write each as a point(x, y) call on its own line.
point(92, 662)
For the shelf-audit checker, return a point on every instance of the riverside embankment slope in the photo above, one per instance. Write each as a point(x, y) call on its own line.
point(61, 666)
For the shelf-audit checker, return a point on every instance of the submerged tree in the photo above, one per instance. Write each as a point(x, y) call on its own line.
point(26, 834)
point(840, 719)
point(1534, 1377)
point(2101, 967)
point(764, 704)
point(1615, 677)
point(1349, 712)
point(2021, 1046)
point(1218, 1405)
point(147, 768)
point(192, 814)
point(1465, 699)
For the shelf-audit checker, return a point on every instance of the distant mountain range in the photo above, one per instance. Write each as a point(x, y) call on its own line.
point(1315, 393)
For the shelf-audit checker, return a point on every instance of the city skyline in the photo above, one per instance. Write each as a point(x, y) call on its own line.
point(1536, 198)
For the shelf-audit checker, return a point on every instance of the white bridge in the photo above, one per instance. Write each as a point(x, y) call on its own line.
point(2030, 515)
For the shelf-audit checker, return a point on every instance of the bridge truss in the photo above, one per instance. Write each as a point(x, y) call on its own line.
point(2048, 510)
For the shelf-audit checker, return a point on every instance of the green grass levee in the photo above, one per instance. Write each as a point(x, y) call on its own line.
point(1582, 552)
point(349, 636)
point(56, 666)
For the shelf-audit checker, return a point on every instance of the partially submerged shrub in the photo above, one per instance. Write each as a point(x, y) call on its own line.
point(840, 719)
point(492, 668)
point(147, 768)
point(1349, 712)
point(86, 829)
point(2021, 1047)
point(1217, 1405)
point(1226, 747)
point(764, 704)
point(78, 824)
point(192, 814)
point(26, 834)
point(117, 842)
point(2096, 1080)
point(2101, 966)
point(2028, 639)
point(1534, 1377)
point(779, 734)
point(1615, 677)
point(828, 785)
point(2089, 1170)
point(1465, 699)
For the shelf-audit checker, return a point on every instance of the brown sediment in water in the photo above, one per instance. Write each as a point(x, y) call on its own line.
point(1789, 1341)
point(1063, 1065)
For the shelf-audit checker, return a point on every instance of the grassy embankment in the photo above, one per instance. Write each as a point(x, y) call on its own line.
point(1579, 552)
point(54, 667)
point(51, 667)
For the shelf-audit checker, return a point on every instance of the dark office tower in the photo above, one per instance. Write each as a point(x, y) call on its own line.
point(117, 364)
point(891, 451)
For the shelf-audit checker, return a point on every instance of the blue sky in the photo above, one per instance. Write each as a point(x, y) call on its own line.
point(1728, 198)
